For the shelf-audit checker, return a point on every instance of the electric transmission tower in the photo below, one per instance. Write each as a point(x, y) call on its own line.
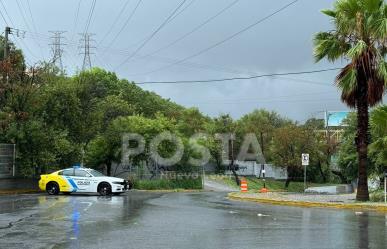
point(86, 48)
point(56, 48)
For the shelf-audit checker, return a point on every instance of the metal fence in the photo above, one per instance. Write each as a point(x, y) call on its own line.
point(7, 160)
point(151, 171)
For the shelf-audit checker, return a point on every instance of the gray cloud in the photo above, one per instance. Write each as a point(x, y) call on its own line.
point(280, 44)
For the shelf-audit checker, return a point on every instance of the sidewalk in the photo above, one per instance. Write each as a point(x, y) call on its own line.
point(213, 185)
point(18, 186)
point(343, 201)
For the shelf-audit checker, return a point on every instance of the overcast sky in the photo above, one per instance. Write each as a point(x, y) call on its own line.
point(281, 43)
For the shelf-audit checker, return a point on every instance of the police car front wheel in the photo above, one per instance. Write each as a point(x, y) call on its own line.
point(104, 188)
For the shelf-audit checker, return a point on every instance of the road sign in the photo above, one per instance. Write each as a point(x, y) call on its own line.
point(305, 162)
point(305, 159)
point(385, 186)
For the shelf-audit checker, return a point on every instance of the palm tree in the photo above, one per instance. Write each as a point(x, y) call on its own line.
point(360, 38)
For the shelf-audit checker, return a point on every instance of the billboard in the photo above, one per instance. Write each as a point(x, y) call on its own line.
point(334, 118)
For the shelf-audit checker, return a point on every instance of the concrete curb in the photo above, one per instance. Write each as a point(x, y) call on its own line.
point(356, 206)
point(18, 191)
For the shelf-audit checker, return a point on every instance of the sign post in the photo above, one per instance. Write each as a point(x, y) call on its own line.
point(305, 162)
point(385, 186)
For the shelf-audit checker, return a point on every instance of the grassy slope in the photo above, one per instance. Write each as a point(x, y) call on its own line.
point(164, 184)
point(273, 185)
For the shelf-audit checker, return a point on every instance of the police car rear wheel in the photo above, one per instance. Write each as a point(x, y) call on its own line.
point(52, 188)
point(104, 189)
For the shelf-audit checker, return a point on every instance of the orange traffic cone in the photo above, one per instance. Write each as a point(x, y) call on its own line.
point(243, 185)
point(264, 189)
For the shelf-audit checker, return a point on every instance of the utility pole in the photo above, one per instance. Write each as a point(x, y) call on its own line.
point(6, 47)
point(56, 48)
point(329, 149)
point(86, 50)
point(6, 33)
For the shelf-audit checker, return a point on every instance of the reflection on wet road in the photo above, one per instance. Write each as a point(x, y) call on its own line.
point(179, 220)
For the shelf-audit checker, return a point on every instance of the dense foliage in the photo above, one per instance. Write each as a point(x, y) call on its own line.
point(377, 162)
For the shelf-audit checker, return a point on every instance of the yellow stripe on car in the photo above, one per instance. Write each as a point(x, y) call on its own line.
point(63, 183)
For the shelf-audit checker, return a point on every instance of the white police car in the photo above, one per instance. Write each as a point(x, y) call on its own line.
point(82, 180)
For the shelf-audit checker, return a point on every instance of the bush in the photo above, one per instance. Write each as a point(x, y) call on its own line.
point(158, 184)
point(377, 196)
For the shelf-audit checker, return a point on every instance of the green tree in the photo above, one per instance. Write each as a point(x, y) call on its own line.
point(288, 143)
point(359, 36)
point(148, 103)
point(320, 148)
point(191, 121)
point(378, 147)
point(106, 148)
point(262, 123)
point(224, 124)
point(347, 159)
point(378, 154)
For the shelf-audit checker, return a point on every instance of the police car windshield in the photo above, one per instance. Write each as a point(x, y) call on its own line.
point(95, 173)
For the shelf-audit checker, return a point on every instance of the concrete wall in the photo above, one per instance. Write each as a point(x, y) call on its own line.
point(339, 189)
point(18, 183)
point(251, 168)
point(7, 157)
point(246, 168)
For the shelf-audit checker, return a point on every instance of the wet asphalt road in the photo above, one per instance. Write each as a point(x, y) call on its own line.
point(179, 220)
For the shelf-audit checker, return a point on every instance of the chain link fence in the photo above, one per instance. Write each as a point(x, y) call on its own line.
point(149, 175)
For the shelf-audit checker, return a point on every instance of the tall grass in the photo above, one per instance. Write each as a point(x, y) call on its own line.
point(271, 184)
point(164, 184)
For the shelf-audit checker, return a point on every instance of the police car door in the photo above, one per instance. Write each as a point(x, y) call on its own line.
point(82, 179)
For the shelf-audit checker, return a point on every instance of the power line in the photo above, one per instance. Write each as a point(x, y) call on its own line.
point(237, 78)
point(207, 67)
point(130, 17)
point(3, 17)
point(88, 21)
point(32, 18)
point(115, 21)
point(22, 15)
point(6, 13)
point(270, 101)
point(153, 34)
point(181, 11)
point(27, 27)
point(216, 68)
point(170, 20)
point(125, 24)
point(34, 26)
point(121, 29)
point(76, 19)
point(247, 100)
point(208, 20)
point(220, 42)
point(212, 67)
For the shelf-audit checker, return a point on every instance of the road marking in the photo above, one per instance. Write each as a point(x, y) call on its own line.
point(88, 203)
